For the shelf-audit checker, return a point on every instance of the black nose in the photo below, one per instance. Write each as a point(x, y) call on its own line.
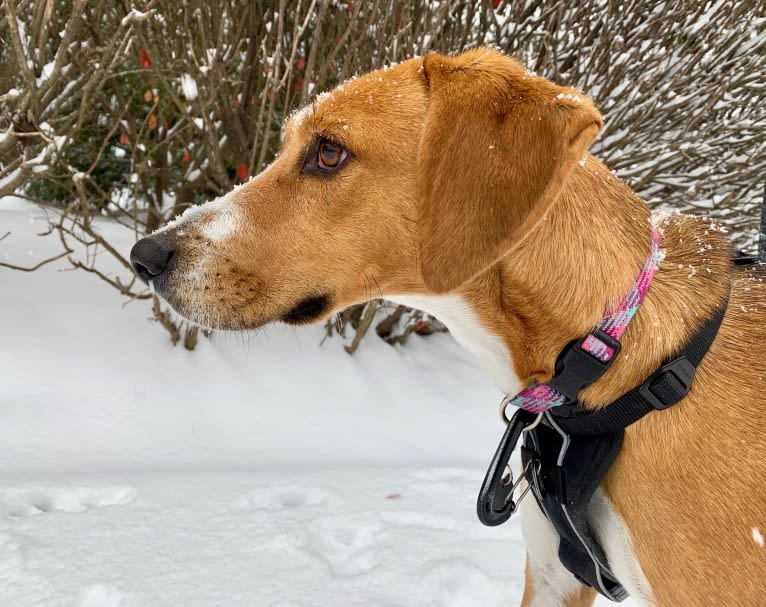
point(151, 256)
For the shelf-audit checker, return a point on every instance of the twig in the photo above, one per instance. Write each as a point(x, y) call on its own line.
point(165, 319)
point(36, 267)
point(115, 282)
point(367, 317)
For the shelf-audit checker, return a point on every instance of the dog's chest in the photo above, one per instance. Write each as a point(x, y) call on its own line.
point(541, 539)
point(469, 332)
point(614, 537)
point(552, 581)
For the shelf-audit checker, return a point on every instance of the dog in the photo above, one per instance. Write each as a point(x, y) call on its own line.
point(463, 186)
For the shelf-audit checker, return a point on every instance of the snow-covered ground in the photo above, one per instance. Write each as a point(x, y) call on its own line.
point(260, 470)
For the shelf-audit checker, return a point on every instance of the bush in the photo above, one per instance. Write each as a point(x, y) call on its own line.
point(137, 110)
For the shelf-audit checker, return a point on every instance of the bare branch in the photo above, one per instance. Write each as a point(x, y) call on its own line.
point(35, 267)
point(114, 282)
point(136, 113)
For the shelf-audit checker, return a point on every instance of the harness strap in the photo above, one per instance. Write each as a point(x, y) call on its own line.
point(564, 472)
point(668, 385)
point(566, 457)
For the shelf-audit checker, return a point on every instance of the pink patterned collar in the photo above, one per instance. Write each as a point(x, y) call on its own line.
point(538, 398)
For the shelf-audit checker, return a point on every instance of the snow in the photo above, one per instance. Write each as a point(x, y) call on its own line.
point(260, 469)
point(569, 97)
point(299, 116)
point(757, 536)
point(46, 73)
point(9, 178)
point(135, 16)
point(189, 87)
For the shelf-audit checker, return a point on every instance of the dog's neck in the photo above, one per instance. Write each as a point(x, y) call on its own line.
point(578, 263)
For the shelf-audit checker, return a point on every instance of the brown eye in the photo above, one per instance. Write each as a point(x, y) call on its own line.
point(325, 157)
point(329, 155)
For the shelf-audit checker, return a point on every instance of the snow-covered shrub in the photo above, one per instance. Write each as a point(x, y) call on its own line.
point(136, 110)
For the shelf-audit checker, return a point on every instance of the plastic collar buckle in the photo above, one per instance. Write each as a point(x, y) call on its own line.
point(669, 384)
point(577, 368)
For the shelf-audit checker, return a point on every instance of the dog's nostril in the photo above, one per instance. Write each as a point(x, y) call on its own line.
point(151, 256)
point(140, 268)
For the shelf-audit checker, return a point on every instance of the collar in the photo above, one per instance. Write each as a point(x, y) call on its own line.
point(585, 360)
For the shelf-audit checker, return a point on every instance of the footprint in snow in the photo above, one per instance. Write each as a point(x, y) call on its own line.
point(99, 595)
point(444, 480)
point(460, 583)
point(444, 475)
point(13, 549)
point(284, 497)
point(32, 502)
point(347, 546)
point(421, 520)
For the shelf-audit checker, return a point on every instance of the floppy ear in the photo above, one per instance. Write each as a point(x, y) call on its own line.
point(497, 147)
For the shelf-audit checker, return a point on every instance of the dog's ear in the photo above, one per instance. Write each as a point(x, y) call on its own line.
point(497, 146)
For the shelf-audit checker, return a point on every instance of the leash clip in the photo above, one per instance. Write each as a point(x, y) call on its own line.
point(496, 503)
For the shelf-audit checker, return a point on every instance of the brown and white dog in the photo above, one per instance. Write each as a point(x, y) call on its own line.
point(463, 186)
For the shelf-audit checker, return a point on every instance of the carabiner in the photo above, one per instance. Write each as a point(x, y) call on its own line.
point(496, 504)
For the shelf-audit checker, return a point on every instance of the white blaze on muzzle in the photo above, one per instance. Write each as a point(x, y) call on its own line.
point(216, 220)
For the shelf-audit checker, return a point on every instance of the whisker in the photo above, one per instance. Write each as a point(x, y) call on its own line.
point(380, 293)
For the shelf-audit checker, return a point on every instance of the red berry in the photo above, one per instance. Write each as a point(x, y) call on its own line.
point(144, 61)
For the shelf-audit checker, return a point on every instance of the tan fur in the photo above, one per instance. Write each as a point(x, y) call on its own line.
point(529, 588)
point(523, 139)
point(582, 597)
point(474, 165)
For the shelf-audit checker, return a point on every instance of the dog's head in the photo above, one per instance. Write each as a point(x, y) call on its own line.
point(406, 181)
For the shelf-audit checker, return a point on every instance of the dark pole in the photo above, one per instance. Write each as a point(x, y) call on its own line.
point(762, 235)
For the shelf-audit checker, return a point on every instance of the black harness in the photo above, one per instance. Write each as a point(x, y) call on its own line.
point(568, 450)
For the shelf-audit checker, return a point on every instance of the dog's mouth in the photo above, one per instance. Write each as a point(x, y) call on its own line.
point(214, 302)
point(210, 284)
point(308, 310)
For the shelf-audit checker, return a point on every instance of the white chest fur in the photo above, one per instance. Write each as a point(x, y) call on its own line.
point(466, 328)
point(614, 537)
point(552, 581)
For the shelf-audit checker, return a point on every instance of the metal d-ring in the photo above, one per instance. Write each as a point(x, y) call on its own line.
point(535, 423)
point(504, 405)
